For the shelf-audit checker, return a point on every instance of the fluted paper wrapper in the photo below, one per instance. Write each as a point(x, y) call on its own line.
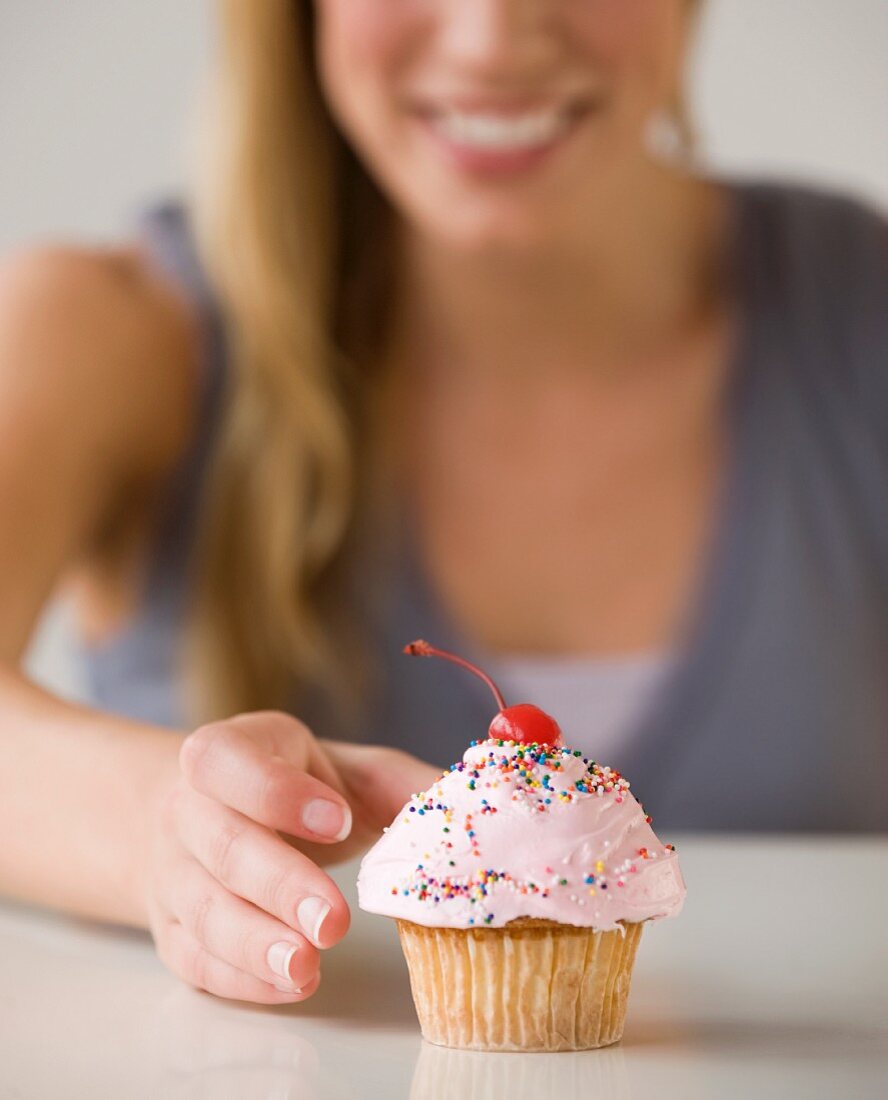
point(531, 985)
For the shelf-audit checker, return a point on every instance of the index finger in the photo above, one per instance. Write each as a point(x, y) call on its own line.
point(226, 764)
point(284, 735)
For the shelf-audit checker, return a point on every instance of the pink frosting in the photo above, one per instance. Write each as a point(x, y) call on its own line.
point(522, 831)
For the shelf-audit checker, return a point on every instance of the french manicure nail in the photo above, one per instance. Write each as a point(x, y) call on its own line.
point(327, 818)
point(279, 956)
point(311, 914)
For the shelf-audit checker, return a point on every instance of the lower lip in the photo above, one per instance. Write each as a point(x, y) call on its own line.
point(496, 162)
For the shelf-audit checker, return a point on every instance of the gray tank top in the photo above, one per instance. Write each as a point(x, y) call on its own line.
point(774, 712)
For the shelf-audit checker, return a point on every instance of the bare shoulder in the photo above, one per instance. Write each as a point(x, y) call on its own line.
point(101, 337)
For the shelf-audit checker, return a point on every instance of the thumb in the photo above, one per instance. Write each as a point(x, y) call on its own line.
point(378, 781)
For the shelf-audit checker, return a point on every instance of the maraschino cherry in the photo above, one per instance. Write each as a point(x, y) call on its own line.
point(524, 722)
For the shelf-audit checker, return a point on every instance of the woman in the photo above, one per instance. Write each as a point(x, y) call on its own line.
point(474, 365)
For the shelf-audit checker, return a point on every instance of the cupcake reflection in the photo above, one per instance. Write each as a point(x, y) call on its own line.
point(443, 1073)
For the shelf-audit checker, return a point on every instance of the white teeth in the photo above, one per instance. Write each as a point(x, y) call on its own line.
point(500, 132)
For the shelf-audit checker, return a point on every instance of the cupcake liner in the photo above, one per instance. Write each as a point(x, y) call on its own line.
point(532, 985)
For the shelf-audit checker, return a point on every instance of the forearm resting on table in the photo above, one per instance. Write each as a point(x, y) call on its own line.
point(77, 789)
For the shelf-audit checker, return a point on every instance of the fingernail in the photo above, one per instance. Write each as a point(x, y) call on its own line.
point(311, 914)
point(279, 957)
point(287, 988)
point(327, 818)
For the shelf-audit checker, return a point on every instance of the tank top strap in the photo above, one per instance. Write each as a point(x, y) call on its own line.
point(165, 233)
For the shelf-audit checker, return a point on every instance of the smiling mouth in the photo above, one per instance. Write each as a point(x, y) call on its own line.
point(499, 137)
point(495, 132)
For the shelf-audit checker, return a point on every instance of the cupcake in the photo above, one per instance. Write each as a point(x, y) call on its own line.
point(520, 882)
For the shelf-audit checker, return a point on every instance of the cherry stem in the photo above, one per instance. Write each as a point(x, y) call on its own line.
point(420, 648)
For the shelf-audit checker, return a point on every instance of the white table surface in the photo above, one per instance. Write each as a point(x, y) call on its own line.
point(772, 983)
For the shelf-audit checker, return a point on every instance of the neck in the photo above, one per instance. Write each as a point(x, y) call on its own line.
point(636, 269)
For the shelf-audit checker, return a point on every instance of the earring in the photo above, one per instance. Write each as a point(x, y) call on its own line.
point(667, 137)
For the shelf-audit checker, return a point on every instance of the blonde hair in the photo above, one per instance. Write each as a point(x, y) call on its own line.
point(293, 234)
point(282, 485)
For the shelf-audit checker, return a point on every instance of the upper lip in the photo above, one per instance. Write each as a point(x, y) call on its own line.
point(504, 107)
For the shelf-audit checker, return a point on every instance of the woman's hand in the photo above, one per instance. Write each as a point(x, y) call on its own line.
point(235, 908)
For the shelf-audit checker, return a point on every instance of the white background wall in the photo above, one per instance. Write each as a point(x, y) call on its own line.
point(94, 97)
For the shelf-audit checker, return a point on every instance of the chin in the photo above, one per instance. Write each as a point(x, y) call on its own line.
point(489, 225)
point(529, 210)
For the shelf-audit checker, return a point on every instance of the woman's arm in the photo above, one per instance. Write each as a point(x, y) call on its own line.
point(95, 404)
point(78, 791)
point(214, 842)
point(97, 383)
